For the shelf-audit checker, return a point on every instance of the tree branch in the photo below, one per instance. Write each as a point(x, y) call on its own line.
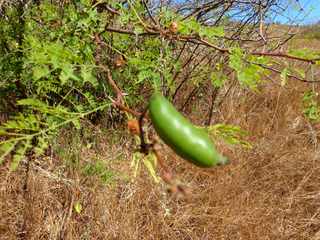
point(197, 40)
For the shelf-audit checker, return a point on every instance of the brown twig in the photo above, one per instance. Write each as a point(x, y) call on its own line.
point(192, 93)
point(119, 102)
point(166, 174)
point(198, 40)
point(167, 177)
point(187, 62)
point(66, 218)
point(125, 109)
point(149, 13)
point(110, 9)
point(23, 233)
point(144, 147)
point(186, 78)
point(214, 95)
point(289, 75)
point(130, 32)
point(113, 84)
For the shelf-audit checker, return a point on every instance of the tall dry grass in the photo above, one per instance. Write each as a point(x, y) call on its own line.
point(269, 192)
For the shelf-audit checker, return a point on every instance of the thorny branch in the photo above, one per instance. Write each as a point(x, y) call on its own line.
point(198, 40)
point(145, 147)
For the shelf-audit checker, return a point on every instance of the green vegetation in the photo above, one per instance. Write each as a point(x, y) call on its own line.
point(311, 106)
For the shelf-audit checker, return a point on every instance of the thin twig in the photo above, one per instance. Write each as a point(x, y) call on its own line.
point(23, 234)
point(289, 75)
point(110, 9)
point(144, 148)
point(66, 218)
point(197, 40)
point(149, 13)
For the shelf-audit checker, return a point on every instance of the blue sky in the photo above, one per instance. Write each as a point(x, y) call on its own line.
point(309, 14)
point(293, 15)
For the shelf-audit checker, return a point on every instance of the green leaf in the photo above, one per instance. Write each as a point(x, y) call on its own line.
point(193, 25)
point(150, 163)
point(76, 123)
point(42, 145)
point(138, 30)
point(67, 73)
point(5, 149)
point(218, 79)
point(231, 134)
point(143, 75)
point(249, 74)
point(306, 53)
point(301, 72)
point(86, 2)
point(211, 32)
point(3, 132)
point(78, 207)
point(311, 107)
point(283, 77)
point(32, 102)
point(136, 158)
point(40, 71)
point(189, 26)
point(235, 59)
point(87, 76)
point(20, 154)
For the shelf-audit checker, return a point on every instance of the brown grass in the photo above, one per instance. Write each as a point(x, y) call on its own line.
point(269, 192)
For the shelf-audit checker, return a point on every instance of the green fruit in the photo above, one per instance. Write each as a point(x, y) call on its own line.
point(189, 142)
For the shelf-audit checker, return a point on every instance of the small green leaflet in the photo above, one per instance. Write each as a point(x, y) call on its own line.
point(150, 163)
point(144, 74)
point(304, 53)
point(249, 74)
point(138, 30)
point(189, 26)
point(217, 79)
point(32, 102)
point(77, 207)
point(283, 76)
point(76, 123)
point(136, 157)
point(311, 107)
point(40, 71)
point(87, 76)
point(231, 134)
point(5, 149)
point(211, 32)
point(41, 146)
point(235, 59)
point(66, 74)
point(20, 153)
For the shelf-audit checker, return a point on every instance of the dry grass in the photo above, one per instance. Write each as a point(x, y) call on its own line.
point(269, 192)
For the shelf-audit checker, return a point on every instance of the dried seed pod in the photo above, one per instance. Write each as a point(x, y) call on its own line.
point(119, 61)
point(133, 126)
point(173, 28)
